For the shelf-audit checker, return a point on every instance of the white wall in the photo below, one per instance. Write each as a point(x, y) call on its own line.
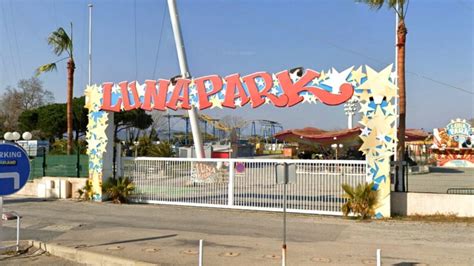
point(432, 203)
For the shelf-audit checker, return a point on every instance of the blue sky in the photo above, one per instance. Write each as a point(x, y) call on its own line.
point(225, 37)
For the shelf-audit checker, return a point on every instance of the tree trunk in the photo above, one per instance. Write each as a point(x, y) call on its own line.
point(70, 84)
point(401, 34)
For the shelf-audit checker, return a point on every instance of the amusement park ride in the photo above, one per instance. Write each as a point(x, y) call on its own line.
point(262, 129)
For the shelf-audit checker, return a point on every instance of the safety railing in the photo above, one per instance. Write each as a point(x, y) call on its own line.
point(243, 183)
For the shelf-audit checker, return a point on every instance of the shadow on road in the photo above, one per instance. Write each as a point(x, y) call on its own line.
point(25, 200)
point(133, 240)
point(407, 264)
point(445, 170)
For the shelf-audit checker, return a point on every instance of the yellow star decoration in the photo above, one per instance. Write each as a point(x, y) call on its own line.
point(216, 102)
point(379, 84)
point(322, 76)
point(358, 75)
point(93, 97)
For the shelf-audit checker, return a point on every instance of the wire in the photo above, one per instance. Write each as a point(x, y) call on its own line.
point(409, 72)
point(9, 43)
point(16, 43)
point(159, 40)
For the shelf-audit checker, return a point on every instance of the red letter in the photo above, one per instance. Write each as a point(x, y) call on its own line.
point(203, 94)
point(126, 97)
point(292, 90)
point(233, 82)
point(107, 101)
point(257, 96)
point(158, 99)
point(182, 85)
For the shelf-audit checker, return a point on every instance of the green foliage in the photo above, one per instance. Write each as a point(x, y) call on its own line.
point(59, 147)
point(118, 189)
point(60, 42)
point(402, 5)
point(137, 118)
point(50, 120)
point(147, 148)
point(86, 192)
point(164, 149)
point(361, 200)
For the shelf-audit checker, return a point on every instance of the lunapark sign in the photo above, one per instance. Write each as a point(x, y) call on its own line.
point(374, 90)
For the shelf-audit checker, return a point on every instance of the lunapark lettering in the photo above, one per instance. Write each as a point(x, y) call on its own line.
point(283, 89)
point(374, 90)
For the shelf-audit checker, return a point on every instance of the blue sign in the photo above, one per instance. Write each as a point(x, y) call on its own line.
point(14, 169)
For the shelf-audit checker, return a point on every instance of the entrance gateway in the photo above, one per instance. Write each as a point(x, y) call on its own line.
point(375, 91)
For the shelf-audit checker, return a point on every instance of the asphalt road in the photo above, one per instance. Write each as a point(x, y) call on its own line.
point(169, 235)
point(440, 179)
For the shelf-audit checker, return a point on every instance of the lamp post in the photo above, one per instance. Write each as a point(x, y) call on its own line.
point(349, 110)
point(8, 136)
point(336, 147)
point(15, 136)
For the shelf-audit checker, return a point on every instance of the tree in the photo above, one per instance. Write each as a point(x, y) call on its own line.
point(60, 41)
point(33, 95)
point(29, 95)
point(48, 122)
point(137, 118)
point(234, 124)
point(400, 7)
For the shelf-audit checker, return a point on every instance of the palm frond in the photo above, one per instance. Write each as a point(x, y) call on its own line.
point(375, 4)
point(46, 68)
point(60, 42)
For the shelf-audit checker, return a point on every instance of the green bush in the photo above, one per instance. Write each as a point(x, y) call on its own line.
point(147, 148)
point(59, 147)
point(118, 189)
point(86, 192)
point(361, 200)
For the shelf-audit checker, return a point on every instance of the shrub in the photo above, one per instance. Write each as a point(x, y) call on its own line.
point(86, 192)
point(147, 148)
point(118, 189)
point(361, 200)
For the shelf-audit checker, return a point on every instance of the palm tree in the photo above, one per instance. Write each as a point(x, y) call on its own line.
point(362, 200)
point(400, 7)
point(60, 41)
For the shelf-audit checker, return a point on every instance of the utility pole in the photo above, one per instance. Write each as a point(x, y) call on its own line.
point(90, 45)
point(183, 65)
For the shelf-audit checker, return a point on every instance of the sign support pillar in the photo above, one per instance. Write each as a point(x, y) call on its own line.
point(183, 65)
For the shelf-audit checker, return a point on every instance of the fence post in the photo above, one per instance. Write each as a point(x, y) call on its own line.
point(44, 161)
point(231, 183)
point(78, 160)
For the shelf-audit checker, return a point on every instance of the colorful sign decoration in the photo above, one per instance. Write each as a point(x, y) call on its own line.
point(453, 145)
point(282, 90)
point(375, 91)
point(459, 130)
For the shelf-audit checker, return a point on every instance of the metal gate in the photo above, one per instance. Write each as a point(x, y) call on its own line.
point(243, 183)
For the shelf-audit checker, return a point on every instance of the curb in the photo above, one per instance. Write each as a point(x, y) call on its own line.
point(83, 256)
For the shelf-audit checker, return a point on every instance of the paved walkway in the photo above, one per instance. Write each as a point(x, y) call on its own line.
point(169, 235)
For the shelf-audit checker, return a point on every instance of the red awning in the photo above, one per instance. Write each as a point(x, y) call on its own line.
point(319, 136)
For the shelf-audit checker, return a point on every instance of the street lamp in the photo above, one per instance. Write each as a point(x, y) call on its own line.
point(350, 109)
point(336, 146)
point(16, 136)
point(27, 135)
point(8, 136)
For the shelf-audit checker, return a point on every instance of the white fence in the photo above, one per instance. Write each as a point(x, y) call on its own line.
point(243, 183)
